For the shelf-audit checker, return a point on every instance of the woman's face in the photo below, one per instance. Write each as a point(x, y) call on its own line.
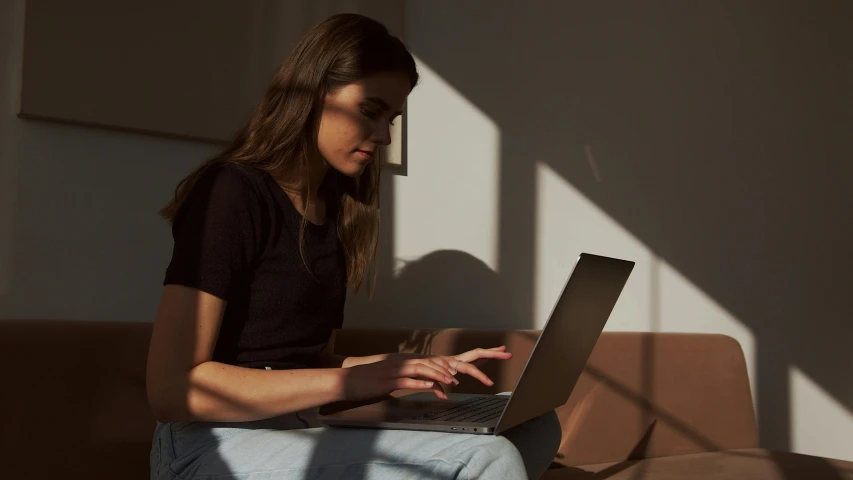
point(357, 118)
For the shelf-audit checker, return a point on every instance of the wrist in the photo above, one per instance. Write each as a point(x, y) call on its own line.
point(337, 377)
point(354, 361)
point(348, 362)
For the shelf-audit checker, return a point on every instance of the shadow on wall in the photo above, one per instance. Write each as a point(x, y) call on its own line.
point(443, 289)
point(720, 133)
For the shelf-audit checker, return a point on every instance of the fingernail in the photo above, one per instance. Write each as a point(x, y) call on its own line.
point(447, 379)
point(456, 381)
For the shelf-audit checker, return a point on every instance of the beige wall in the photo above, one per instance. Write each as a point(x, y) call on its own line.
point(707, 142)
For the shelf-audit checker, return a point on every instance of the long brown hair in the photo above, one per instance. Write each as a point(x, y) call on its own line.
point(280, 136)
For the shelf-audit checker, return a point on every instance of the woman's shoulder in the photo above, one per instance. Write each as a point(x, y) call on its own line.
point(226, 185)
point(231, 181)
point(234, 175)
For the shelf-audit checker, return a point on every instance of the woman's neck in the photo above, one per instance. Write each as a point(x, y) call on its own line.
point(306, 189)
point(304, 193)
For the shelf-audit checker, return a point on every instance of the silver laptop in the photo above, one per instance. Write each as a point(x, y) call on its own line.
point(548, 378)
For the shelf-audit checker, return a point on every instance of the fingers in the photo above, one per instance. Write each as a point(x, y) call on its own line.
point(415, 384)
point(495, 354)
point(411, 383)
point(417, 373)
point(445, 363)
point(430, 370)
point(439, 391)
point(442, 365)
point(485, 353)
point(468, 369)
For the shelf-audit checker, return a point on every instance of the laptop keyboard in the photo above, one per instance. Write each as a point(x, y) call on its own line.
point(478, 409)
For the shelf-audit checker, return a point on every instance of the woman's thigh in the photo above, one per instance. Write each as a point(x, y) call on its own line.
point(207, 450)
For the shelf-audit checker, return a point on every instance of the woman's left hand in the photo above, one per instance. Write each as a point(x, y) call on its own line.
point(479, 356)
point(466, 363)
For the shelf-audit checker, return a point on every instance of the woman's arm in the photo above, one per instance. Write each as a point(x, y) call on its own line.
point(477, 357)
point(184, 384)
point(331, 360)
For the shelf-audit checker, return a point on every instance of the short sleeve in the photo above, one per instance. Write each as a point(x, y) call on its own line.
point(216, 232)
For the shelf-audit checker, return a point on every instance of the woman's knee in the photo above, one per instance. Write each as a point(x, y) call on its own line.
point(497, 457)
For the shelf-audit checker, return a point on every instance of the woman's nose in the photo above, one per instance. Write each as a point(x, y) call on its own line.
point(382, 135)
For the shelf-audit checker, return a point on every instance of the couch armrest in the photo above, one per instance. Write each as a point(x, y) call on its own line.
point(641, 394)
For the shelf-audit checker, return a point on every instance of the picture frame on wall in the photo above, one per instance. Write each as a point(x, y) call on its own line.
point(190, 70)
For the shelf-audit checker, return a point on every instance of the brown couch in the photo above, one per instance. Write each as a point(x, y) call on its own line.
point(649, 406)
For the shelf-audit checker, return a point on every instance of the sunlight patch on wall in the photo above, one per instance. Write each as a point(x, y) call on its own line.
point(656, 298)
point(568, 224)
point(684, 307)
point(820, 425)
point(449, 200)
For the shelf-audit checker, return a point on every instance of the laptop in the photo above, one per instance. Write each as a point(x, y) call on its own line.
point(548, 378)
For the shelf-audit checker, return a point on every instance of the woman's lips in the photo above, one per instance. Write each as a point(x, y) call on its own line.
point(365, 154)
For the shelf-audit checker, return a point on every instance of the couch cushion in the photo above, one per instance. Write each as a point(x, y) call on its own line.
point(745, 464)
point(646, 395)
point(74, 399)
point(641, 395)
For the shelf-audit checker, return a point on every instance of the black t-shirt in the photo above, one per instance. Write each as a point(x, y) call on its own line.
point(236, 237)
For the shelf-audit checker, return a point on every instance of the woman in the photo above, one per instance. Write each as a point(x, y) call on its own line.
point(268, 236)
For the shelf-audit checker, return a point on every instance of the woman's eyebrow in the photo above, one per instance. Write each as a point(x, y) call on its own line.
point(380, 102)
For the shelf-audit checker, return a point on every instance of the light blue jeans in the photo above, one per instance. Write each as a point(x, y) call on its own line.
point(288, 448)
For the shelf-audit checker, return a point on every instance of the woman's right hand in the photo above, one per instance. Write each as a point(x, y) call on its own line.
point(396, 372)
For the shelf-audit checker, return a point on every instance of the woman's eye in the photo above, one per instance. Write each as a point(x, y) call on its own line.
point(369, 114)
